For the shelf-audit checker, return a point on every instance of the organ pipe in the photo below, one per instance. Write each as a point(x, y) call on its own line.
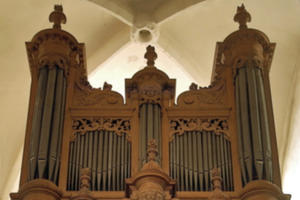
point(47, 124)
point(252, 123)
point(198, 154)
point(106, 154)
point(150, 128)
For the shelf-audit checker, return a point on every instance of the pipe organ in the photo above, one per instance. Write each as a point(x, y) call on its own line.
point(217, 142)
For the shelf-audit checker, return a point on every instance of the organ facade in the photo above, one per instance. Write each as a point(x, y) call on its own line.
point(215, 143)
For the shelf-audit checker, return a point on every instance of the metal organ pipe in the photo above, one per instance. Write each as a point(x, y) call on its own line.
point(150, 128)
point(47, 124)
point(252, 123)
point(198, 152)
point(106, 154)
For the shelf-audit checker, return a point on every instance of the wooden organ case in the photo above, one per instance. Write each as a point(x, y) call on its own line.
point(215, 143)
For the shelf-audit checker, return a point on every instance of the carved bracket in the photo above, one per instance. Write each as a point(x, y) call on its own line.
point(180, 125)
point(119, 126)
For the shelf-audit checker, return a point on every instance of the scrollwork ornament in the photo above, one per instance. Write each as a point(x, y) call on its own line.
point(214, 94)
point(181, 125)
point(119, 126)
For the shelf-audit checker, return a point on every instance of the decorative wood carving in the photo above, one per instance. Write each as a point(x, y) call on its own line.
point(150, 83)
point(55, 47)
point(151, 183)
point(217, 193)
point(84, 193)
point(119, 126)
point(215, 94)
point(85, 95)
point(85, 178)
point(180, 125)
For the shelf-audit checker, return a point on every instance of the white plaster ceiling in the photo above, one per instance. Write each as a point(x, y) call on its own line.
point(188, 31)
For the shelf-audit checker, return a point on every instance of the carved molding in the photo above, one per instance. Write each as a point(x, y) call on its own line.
point(181, 125)
point(261, 189)
point(149, 84)
point(211, 95)
point(259, 49)
point(118, 126)
point(55, 47)
point(86, 95)
point(38, 189)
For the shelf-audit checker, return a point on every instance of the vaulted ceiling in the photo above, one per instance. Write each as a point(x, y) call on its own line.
point(185, 32)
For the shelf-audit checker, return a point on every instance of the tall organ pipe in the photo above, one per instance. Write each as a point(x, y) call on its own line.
point(150, 128)
point(47, 124)
point(197, 154)
point(252, 123)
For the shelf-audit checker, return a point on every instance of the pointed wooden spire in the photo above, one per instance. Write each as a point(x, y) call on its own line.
point(150, 55)
point(242, 16)
point(57, 17)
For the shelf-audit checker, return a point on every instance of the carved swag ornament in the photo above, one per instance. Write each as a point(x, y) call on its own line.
point(181, 125)
point(119, 126)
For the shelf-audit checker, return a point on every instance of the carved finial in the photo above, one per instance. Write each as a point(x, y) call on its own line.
point(85, 177)
point(216, 180)
point(57, 17)
point(107, 86)
point(152, 150)
point(242, 16)
point(150, 55)
point(193, 86)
